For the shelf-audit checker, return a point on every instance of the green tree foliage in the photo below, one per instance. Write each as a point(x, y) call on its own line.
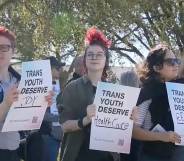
point(53, 26)
point(133, 22)
point(41, 28)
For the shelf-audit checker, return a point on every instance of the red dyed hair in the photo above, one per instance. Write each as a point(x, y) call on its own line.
point(8, 34)
point(93, 34)
point(96, 37)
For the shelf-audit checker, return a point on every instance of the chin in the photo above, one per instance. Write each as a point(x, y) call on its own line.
point(94, 68)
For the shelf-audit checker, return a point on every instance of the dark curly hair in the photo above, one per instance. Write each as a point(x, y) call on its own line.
point(154, 59)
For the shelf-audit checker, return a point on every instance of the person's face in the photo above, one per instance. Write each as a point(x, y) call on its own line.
point(6, 52)
point(95, 58)
point(56, 73)
point(170, 67)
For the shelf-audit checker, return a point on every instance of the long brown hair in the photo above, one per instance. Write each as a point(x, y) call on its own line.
point(96, 37)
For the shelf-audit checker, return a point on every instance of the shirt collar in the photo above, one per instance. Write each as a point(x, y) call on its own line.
point(85, 79)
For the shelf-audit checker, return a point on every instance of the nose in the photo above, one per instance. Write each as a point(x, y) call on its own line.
point(94, 57)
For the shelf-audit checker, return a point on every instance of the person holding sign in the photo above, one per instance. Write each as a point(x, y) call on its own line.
point(77, 102)
point(155, 124)
point(78, 66)
point(51, 129)
point(130, 78)
point(9, 79)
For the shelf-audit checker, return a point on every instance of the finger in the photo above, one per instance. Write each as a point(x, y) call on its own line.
point(15, 99)
point(51, 93)
point(172, 138)
point(13, 87)
point(49, 101)
point(178, 136)
point(93, 105)
point(135, 108)
point(91, 116)
point(93, 113)
point(48, 98)
point(15, 96)
point(177, 139)
point(131, 117)
point(15, 92)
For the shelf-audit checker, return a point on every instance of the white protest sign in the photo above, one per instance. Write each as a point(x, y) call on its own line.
point(27, 113)
point(53, 108)
point(175, 93)
point(111, 129)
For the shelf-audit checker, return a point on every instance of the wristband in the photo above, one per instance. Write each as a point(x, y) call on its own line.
point(80, 123)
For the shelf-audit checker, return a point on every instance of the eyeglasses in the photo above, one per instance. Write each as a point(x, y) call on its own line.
point(4, 47)
point(92, 56)
point(172, 61)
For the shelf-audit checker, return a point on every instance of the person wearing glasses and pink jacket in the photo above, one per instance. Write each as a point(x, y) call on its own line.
point(9, 79)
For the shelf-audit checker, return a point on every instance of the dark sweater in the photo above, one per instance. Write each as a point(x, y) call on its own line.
point(160, 114)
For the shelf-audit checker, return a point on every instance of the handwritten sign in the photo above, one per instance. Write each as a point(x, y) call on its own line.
point(175, 93)
point(28, 112)
point(111, 129)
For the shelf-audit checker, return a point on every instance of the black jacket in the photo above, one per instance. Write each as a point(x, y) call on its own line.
point(160, 114)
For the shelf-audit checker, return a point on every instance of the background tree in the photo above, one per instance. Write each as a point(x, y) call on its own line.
point(134, 25)
point(57, 27)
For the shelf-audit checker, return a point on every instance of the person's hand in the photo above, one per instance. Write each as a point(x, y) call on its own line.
point(91, 111)
point(170, 136)
point(135, 114)
point(48, 98)
point(11, 95)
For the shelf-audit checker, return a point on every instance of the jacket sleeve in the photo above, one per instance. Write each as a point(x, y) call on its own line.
point(68, 101)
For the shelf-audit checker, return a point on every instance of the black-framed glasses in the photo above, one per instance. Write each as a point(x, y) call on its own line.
point(92, 56)
point(172, 61)
point(1, 94)
point(5, 47)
